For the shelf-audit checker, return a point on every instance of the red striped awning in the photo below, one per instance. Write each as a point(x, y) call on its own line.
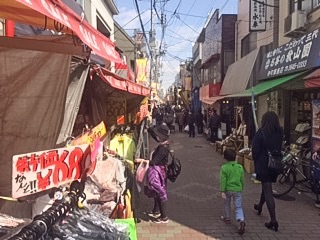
point(120, 83)
point(313, 79)
point(51, 14)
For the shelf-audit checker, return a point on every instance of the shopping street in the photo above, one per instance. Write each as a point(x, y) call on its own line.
point(195, 204)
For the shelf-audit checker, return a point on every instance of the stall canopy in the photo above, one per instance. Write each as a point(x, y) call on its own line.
point(265, 86)
point(56, 15)
point(313, 79)
point(238, 74)
point(211, 100)
point(120, 83)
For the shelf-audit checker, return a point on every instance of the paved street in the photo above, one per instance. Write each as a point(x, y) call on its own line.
point(195, 205)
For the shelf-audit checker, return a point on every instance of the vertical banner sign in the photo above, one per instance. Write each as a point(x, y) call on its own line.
point(188, 83)
point(39, 171)
point(142, 71)
point(315, 162)
point(257, 18)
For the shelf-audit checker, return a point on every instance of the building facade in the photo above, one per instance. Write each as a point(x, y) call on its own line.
point(217, 42)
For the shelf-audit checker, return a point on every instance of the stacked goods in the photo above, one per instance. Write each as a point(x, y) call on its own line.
point(248, 163)
point(240, 158)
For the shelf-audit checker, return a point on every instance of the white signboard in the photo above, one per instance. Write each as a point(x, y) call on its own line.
point(39, 171)
point(257, 18)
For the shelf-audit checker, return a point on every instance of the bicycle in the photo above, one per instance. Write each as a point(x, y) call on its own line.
point(292, 175)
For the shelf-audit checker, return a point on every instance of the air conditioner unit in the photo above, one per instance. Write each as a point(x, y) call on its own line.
point(294, 24)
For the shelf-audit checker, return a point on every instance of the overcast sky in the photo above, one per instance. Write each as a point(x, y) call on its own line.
point(181, 30)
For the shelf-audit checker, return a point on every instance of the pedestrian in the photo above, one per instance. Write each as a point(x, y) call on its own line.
point(268, 137)
point(231, 187)
point(191, 123)
point(156, 175)
point(214, 125)
point(180, 116)
point(199, 122)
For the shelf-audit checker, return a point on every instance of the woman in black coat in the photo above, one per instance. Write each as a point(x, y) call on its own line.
point(268, 137)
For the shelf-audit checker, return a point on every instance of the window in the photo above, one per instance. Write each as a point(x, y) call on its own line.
point(316, 3)
point(248, 43)
point(80, 2)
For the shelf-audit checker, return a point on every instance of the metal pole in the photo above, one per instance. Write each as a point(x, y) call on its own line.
point(150, 41)
point(135, 57)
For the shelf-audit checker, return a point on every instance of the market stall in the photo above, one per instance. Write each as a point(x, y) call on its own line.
point(43, 86)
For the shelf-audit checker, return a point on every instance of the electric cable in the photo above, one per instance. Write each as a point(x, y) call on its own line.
point(142, 26)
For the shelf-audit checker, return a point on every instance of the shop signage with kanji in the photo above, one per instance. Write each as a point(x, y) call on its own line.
point(257, 18)
point(39, 171)
point(297, 55)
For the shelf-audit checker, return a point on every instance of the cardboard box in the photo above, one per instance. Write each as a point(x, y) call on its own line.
point(248, 165)
point(240, 159)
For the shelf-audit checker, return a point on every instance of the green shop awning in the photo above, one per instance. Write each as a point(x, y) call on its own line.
point(265, 86)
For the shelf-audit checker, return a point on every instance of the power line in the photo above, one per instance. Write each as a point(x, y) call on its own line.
point(184, 14)
point(225, 4)
point(142, 26)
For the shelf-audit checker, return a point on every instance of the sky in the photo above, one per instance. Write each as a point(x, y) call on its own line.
point(184, 22)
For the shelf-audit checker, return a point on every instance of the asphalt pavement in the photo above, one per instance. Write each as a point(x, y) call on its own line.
point(195, 204)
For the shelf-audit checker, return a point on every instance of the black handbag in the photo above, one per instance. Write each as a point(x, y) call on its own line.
point(174, 168)
point(275, 161)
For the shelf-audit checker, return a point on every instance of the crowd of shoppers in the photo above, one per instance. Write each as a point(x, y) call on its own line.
point(269, 137)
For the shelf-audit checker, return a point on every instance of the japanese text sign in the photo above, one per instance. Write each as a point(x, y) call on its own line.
point(89, 137)
point(297, 55)
point(39, 171)
point(257, 18)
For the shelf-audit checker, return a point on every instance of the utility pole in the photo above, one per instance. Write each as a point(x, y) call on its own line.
point(150, 42)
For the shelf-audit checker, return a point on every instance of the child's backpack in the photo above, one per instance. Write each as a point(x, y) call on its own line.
point(174, 168)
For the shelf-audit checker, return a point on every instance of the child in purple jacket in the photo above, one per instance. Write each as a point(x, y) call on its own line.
point(156, 175)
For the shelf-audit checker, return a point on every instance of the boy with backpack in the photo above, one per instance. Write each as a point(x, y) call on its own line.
point(231, 187)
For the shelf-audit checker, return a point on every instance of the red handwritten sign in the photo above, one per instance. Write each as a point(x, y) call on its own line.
point(38, 171)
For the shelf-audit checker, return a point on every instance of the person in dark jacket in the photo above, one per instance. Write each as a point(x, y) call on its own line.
point(214, 125)
point(268, 137)
point(199, 122)
point(191, 123)
point(156, 175)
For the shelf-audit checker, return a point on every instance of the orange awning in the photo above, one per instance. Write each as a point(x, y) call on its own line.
point(57, 16)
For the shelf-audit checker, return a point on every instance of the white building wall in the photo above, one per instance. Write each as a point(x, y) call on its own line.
point(99, 7)
point(266, 37)
point(242, 26)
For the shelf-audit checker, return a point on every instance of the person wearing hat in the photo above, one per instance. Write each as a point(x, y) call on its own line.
point(156, 175)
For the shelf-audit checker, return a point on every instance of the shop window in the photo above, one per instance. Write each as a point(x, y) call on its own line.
point(316, 3)
point(102, 26)
point(248, 43)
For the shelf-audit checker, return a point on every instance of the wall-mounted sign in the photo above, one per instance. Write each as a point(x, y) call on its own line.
point(39, 171)
point(257, 18)
point(297, 55)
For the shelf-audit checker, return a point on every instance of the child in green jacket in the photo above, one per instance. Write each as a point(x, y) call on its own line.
point(231, 187)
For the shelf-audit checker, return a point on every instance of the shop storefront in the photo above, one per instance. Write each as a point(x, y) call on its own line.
point(234, 82)
point(288, 72)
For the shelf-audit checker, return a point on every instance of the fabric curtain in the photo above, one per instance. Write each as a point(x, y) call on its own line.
point(33, 89)
point(77, 80)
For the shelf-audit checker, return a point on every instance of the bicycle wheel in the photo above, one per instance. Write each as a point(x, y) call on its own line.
point(285, 182)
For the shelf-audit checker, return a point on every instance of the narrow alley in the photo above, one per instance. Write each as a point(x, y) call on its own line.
point(195, 203)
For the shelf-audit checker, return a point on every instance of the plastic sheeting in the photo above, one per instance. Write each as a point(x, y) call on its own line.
point(33, 87)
